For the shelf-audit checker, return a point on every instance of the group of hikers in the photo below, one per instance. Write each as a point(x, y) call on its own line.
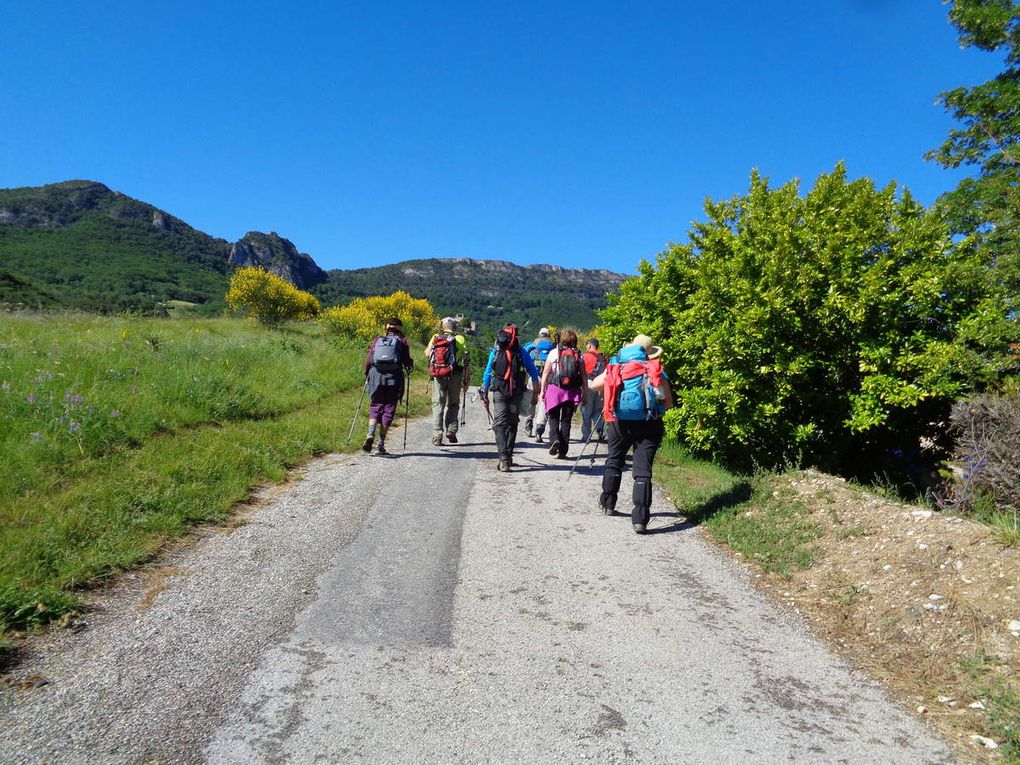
point(622, 398)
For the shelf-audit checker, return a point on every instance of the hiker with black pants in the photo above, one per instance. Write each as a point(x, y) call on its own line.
point(591, 407)
point(506, 374)
point(564, 387)
point(388, 358)
point(450, 373)
point(637, 394)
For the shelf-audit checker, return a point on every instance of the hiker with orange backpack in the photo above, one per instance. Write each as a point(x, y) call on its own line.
point(564, 388)
point(637, 394)
point(450, 373)
point(389, 357)
point(591, 409)
point(506, 375)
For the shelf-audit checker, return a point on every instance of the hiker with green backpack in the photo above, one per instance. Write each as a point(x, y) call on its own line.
point(389, 358)
point(564, 388)
point(507, 372)
point(450, 375)
point(637, 394)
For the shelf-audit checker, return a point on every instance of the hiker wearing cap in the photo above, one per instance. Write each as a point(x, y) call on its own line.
point(450, 373)
point(507, 371)
point(564, 387)
point(539, 350)
point(388, 358)
point(591, 408)
point(636, 395)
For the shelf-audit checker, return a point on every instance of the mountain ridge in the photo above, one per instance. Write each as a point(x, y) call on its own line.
point(83, 245)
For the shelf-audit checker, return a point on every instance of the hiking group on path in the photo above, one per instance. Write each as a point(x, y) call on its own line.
point(545, 381)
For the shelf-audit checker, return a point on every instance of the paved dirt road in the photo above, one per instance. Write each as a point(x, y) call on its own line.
point(425, 608)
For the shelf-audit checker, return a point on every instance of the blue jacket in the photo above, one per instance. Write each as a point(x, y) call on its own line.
point(529, 367)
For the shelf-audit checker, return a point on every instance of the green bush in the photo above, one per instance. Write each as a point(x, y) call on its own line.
point(834, 328)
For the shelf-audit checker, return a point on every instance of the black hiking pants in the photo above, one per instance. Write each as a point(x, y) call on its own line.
point(644, 436)
point(559, 425)
point(506, 413)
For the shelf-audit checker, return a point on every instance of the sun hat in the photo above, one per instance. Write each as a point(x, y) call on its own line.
point(652, 351)
point(544, 332)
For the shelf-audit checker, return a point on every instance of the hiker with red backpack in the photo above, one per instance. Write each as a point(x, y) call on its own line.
point(450, 373)
point(564, 388)
point(506, 375)
point(637, 394)
point(591, 408)
point(389, 357)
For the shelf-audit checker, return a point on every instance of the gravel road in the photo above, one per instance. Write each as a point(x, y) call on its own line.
point(425, 608)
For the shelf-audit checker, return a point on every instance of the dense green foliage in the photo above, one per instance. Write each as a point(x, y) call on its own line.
point(834, 328)
point(91, 248)
point(107, 265)
point(121, 432)
point(18, 292)
point(490, 293)
point(984, 209)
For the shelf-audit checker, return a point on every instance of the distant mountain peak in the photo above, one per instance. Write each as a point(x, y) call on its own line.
point(278, 256)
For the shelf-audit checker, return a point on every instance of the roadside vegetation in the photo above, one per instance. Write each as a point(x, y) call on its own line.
point(123, 433)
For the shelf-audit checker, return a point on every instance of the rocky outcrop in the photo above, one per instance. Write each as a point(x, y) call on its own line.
point(278, 256)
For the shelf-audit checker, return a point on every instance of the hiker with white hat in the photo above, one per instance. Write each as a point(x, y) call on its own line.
point(636, 395)
point(450, 373)
point(539, 350)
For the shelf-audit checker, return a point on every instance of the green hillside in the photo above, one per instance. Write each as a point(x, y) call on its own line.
point(490, 292)
point(80, 245)
point(92, 248)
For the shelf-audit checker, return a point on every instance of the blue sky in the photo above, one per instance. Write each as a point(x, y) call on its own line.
point(586, 134)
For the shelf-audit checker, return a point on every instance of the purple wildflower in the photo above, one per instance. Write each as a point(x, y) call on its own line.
point(74, 427)
point(31, 398)
point(73, 399)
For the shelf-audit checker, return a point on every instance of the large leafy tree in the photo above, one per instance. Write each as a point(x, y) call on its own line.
point(834, 328)
point(985, 210)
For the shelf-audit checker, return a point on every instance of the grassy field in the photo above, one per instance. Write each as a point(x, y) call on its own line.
point(122, 433)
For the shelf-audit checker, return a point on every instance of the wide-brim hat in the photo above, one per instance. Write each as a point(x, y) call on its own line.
point(652, 351)
point(544, 332)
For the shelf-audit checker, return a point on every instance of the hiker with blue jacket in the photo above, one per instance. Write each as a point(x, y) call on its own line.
point(636, 395)
point(506, 376)
point(389, 357)
point(539, 350)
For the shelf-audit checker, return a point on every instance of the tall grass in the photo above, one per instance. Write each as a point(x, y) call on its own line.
point(120, 433)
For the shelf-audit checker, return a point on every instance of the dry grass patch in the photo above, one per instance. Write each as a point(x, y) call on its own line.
point(923, 601)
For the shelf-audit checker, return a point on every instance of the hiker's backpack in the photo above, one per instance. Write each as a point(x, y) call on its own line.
point(636, 398)
point(386, 354)
point(569, 368)
point(540, 352)
point(443, 356)
point(508, 373)
point(600, 366)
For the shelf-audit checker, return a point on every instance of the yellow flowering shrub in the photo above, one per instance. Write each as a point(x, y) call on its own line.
point(269, 299)
point(364, 318)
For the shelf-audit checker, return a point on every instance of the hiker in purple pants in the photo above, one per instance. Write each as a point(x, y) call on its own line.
point(389, 357)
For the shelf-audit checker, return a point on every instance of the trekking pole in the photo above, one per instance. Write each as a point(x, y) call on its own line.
point(357, 412)
point(583, 449)
point(407, 407)
point(595, 428)
point(463, 406)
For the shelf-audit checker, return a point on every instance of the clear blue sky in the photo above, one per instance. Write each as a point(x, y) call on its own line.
point(586, 134)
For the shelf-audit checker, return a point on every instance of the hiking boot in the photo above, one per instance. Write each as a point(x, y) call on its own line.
point(639, 528)
point(503, 465)
point(554, 448)
point(437, 441)
point(381, 450)
point(451, 437)
point(608, 503)
point(367, 446)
